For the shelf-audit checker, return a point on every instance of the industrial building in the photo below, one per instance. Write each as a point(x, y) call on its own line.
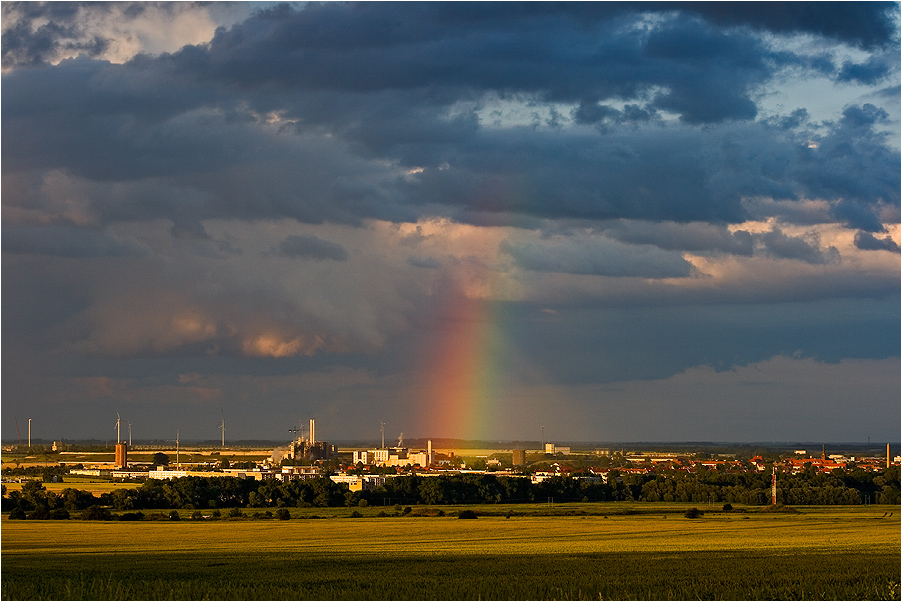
point(518, 457)
point(356, 483)
point(121, 456)
point(310, 449)
point(397, 456)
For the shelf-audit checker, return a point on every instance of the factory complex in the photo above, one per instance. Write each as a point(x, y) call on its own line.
point(367, 469)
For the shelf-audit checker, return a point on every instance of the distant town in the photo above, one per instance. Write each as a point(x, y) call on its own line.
point(366, 468)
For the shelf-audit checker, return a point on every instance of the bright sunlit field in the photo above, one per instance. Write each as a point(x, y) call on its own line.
point(821, 553)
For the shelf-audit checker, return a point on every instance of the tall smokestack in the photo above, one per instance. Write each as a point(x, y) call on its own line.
point(774, 485)
point(429, 452)
point(312, 436)
point(888, 456)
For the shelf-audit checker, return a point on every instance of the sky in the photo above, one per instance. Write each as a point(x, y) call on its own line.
point(599, 222)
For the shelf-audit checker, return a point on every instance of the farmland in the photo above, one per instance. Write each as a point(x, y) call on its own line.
point(644, 551)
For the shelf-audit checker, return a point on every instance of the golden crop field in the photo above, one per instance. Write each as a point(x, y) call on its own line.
point(823, 528)
point(850, 553)
point(94, 485)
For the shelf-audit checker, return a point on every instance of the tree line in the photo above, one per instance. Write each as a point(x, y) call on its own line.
point(228, 492)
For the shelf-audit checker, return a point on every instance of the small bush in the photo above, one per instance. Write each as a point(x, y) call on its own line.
point(382, 514)
point(17, 513)
point(236, 512)
point(363, 503)
point(283, 514)
point(174, 515)
point(467, 514)
point(727, 507)
point(96, 512)
point(137, 516)
point(406, 511)
point(356, 514)
point(693, 513)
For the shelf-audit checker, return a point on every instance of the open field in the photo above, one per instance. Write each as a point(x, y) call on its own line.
point(94, 485)
point(136, 455)
point(821, 553)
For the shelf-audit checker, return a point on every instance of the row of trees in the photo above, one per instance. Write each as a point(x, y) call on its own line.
point(808, 488)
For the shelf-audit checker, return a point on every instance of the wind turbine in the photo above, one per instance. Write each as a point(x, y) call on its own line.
point(130, 435)
point(117, 429)
point(222, 425)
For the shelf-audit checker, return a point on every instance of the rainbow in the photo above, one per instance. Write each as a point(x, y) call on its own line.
point(463, 374)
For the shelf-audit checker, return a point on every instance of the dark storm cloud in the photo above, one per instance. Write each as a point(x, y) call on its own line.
point(598, 257)
point(148, 205)
point(693, 237)
point(309, 246)
point(623, 344)
point(425, 262)
point(861, 23)
point(708, 74)
point(40, 33)
point(871, 72)
point(783, 246)
point(66, 241)
point(404, 83)
point(710, 238)
point(717, 72)
point(853, 164)
point(869, 242)
point(43, 30)
point(676, 174)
